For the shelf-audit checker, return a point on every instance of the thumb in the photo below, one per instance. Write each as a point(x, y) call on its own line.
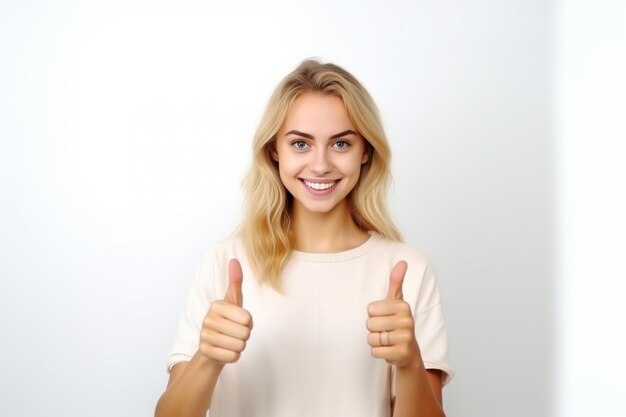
point(396, 278)
point(235, 278)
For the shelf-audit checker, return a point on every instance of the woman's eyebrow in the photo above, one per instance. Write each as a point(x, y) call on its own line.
point(309, 136)
point(344, 133)
point(298, 133)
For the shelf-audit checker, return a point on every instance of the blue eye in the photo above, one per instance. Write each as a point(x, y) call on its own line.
point(341, 144)
point(299, 145)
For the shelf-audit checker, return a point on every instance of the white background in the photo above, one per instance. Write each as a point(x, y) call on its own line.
point(125, 131)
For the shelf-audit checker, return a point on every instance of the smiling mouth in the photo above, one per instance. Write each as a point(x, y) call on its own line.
point(319, 186)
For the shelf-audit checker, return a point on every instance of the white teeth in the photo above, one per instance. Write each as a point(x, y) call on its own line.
point(319, 185)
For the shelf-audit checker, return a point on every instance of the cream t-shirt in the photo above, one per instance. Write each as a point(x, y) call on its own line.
point(308, 353)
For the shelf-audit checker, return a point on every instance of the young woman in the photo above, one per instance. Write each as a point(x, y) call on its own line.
point(347, 319)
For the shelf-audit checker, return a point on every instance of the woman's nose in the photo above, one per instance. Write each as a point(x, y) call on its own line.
point(320, 163)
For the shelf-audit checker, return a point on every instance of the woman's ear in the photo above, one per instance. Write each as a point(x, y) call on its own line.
point(366, 152)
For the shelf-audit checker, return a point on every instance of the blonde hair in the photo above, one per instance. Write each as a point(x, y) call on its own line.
point(266, 230)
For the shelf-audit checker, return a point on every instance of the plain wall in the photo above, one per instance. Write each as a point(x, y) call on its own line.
point(590, 120)
point(125, 134)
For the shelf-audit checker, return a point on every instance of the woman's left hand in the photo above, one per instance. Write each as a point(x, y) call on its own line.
point(390, 324)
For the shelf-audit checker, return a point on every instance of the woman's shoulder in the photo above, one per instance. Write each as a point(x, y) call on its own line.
point(224, 250)
point(232, 245)
point(215, 258)
point(400, 250)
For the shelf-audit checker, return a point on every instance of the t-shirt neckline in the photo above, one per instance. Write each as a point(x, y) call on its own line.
point(346, 255)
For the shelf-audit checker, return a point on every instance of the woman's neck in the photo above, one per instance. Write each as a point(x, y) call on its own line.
point(334, 231)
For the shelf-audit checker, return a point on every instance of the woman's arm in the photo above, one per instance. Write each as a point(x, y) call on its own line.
point(190, 388)
point(418, 392)
point(392, 337)
point(223, 336)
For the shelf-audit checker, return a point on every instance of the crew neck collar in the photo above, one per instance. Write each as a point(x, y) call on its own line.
point(346, 255)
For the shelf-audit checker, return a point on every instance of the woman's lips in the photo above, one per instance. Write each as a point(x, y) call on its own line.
point(319, 187)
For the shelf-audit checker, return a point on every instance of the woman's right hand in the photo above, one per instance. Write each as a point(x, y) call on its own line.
point(226, 327)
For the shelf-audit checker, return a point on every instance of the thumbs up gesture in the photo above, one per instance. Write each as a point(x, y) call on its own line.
point(226, 327)
point(390, 324)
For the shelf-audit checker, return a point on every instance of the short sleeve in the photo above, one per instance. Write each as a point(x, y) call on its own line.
point(429, 322)
point(200, 296)
point(430, 326)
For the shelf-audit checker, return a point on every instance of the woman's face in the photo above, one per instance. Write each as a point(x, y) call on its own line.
point(319, 153)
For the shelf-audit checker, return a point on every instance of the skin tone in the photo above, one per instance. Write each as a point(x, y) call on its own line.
point(320, 155)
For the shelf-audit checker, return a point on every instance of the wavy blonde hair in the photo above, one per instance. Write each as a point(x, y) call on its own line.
point(266, 230)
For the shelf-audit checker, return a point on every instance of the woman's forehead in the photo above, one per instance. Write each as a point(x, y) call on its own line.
point(317, 113)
